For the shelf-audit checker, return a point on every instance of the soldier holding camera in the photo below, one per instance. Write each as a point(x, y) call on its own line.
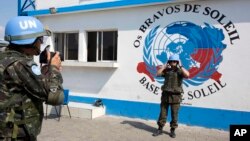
point(45, 60)
point(23, 87)
point(172, 91)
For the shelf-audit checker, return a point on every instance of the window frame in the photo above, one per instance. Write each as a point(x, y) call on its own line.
point(64, 46)
point(83, 53)
point(99, 34)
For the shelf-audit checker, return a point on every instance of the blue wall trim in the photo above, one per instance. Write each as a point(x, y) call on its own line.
point(193, 116)
point(98, 6)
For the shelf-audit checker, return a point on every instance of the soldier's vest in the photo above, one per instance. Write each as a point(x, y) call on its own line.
point(11, 105)
point(173, 82)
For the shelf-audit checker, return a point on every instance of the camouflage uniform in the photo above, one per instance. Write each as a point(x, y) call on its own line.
point(23, 89)
point(171, 97)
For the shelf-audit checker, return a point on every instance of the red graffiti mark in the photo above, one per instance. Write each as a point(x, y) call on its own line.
point(142, 68)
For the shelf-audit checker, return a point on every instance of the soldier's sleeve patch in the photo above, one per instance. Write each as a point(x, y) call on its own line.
point(36, 70)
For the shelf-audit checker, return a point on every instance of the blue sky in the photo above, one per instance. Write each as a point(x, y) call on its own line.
point(8, 10)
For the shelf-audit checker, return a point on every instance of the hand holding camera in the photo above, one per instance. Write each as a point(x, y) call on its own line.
point(55, 60)
point(51, 58)
point(179, 65)
point(166, 66)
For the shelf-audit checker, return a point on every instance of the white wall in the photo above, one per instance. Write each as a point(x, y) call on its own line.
point(45, 4)
point(123, 82)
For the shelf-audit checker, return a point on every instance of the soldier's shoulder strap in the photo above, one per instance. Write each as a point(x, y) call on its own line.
point(7, 61)
point(28, 63)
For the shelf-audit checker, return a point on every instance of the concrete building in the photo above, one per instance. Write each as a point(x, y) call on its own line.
point(112, 49)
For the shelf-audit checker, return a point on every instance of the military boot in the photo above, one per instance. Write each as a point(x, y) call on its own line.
point(158, 132)
point(172, 133)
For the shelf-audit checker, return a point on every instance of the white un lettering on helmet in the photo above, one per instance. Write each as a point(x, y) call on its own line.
point(27, 24)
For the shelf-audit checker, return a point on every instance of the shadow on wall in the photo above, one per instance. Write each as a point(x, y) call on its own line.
point(86, 80)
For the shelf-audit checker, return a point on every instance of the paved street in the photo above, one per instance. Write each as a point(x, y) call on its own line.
point(111, 128)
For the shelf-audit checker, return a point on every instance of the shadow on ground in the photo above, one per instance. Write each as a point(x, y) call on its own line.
point(142, 126)
point(51, 116)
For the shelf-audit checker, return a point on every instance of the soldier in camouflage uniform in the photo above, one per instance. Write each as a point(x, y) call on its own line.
point(172, 92)
point(23, 87)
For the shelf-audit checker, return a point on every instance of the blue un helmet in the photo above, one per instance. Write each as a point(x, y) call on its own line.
point(174, 57)
point(23, 30)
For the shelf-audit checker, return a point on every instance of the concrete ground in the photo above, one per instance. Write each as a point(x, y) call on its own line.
point(110, 128)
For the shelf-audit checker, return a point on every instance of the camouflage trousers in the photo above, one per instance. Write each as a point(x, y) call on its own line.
point(164, 108)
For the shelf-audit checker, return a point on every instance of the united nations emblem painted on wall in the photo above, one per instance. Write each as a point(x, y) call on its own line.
point(199, 46)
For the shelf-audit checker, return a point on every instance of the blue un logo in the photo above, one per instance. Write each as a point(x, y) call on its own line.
point(199, 48)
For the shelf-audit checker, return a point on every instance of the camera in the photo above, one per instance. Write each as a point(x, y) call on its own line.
point(43, 56)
